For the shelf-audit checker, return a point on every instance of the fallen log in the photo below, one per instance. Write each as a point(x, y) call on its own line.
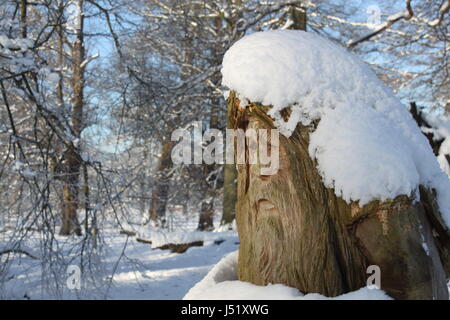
point(180, 247)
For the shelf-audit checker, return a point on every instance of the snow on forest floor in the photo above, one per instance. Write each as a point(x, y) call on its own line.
point(139, 271)
point(165, 275)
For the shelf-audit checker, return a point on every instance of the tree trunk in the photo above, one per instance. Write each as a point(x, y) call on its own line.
point(229, 194)
point(229, 184)
point(206, 217)
point(205, 222)
point(86, 193)
point(160, 192)
point(295, 231)
point(213, 181)
point(72, 157)
point(298, 17)
point(69, 207)
point(23, 17)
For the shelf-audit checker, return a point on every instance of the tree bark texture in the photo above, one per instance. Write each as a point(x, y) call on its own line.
point(295, 231)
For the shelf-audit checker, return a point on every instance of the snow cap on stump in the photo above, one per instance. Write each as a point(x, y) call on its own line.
point(366, 144)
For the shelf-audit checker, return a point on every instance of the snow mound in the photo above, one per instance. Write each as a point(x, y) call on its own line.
point(367, 145)
point(441, 130)
point(287, 68)
point(221, 284)
point(225, 270)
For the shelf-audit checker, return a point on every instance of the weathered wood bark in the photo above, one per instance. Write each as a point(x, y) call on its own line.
point(298, 17)
point(229, 184)
point(295, 231)
point(229, 194)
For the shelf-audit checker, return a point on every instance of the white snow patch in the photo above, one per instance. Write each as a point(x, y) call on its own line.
point(160, 238)
point(441, 130)
point(221, 284)
point(142, 273)
point(359, 158)
point(366, 144)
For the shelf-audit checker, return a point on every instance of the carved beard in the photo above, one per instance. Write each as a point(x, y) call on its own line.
point(281, 241)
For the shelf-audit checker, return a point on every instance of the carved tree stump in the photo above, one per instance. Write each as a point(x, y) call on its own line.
point(295, 231)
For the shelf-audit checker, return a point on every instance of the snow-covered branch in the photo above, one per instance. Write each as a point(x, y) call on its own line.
point(407, 14)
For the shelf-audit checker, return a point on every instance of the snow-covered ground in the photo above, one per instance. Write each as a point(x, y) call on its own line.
point(159, 274)
point(128, 269)
point(221, 284)
point(138, 271)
